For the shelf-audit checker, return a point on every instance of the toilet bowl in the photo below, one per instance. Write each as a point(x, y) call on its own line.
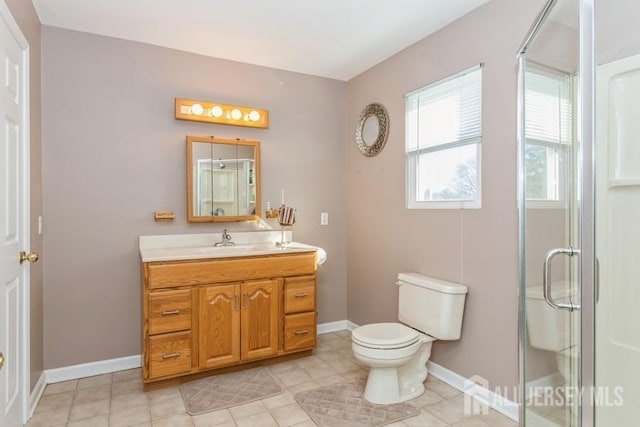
point(385, 347)
point(397, 353)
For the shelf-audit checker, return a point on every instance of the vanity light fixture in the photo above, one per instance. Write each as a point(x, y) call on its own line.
point(210, 112)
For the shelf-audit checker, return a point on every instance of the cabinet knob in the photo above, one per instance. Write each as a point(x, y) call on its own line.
point(302, 294)
point(302, 332)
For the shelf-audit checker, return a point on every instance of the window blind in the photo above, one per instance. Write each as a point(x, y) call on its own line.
point(446, 112)
point(548, 106)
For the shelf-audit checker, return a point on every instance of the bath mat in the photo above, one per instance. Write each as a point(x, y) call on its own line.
point(344, 405)
point(226, 390)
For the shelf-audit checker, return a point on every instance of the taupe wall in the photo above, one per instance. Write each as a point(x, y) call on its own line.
point(113, 154)
point(27, 19)
point(476, 247)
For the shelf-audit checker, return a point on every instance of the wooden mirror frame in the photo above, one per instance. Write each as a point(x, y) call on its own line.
point(191, 216)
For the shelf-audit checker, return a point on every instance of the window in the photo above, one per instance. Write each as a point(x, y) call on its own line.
point(443, 135)
point(548, 135)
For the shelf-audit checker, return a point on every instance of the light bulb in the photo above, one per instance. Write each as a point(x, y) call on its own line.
point(236, 114)
point(216, 111)
point(254, 116)
point(197, 109)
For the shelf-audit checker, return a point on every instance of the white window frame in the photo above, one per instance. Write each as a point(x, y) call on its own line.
point(412, 156)
point(563, 147)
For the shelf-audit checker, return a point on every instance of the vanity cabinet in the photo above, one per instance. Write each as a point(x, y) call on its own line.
point(245, 319)
point(213, 313)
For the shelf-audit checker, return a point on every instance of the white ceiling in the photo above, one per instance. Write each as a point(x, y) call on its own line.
point(331, 38)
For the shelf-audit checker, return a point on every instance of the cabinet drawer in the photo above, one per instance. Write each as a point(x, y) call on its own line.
point(173, 274)
point(299, 294)
point(170, 354)
point(299, 331)
point(169, 311)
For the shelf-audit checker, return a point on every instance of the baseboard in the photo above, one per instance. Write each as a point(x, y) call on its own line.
point(91, 369)
point(36, 393)
point(328, 327)
point(477, 391)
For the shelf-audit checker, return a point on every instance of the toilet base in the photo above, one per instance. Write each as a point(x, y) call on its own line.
point(389, 385)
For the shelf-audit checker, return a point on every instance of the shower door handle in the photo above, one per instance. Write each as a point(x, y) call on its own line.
point(546, 279)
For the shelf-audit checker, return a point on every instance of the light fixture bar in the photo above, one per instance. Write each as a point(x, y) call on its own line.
point(211, 112)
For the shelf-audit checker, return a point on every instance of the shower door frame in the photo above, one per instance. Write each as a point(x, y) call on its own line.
point(585, 175)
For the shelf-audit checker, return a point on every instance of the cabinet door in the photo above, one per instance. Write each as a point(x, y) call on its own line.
point(219, 325)
point(260, 318)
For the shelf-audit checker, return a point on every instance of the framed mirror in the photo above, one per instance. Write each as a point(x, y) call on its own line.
point(223, 179)
point(372, 129)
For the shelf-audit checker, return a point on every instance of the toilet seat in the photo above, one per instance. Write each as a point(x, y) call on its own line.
point(385, 336)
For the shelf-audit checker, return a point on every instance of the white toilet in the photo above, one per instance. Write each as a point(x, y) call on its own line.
point(397, 353)
point(550, 329)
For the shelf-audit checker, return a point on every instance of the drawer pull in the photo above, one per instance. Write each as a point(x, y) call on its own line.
point(302, 332)
point(170, 312)
point(302, 294)
point(171, 355)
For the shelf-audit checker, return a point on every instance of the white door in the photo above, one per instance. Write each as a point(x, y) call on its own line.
point(14, 224)
point(617, 236)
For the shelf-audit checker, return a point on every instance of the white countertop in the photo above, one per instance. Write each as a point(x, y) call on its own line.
point(202, 246)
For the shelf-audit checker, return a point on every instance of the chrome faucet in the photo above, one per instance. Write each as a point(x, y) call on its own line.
point(226, 239)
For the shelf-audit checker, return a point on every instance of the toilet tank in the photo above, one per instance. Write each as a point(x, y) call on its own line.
point(431, 305)
point(548, 328)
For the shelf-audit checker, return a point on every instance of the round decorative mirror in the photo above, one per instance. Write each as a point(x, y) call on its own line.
point(372, 129)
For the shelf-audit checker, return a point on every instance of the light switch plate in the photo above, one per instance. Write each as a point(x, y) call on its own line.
point(324, 218)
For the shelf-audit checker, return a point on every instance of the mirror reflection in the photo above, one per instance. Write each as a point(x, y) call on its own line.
point(222, 179)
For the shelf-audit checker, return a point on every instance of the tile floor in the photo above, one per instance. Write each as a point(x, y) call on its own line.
point(117, 399)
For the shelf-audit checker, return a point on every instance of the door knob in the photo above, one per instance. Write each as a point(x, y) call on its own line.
point(1, 360)
point(31, 257)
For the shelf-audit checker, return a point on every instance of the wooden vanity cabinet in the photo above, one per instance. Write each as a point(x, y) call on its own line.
point(200, 315)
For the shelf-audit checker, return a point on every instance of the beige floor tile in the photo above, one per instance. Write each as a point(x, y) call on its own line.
point(425, 419)
point(126, 387)
point(214, 418)
point(293, 377)
point(99, 421)
point(50, 418)
point(129, 374)
point(450, 411)
point(92, 394)
point(94, 381)
point(130, 416)
point(496, 419)
point(330, 380)
point(157, 396)
point(60, 387)
point(167, 408)
point(82, 411)
point(307, 424)
point(182, 420)
point(427, 398)
point(123, 402)
point(257, 420)
point(289, 415)
point(470, 422)
point(444, 390)
point(55, 401)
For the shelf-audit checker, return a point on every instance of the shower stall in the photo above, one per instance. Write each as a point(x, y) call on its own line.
point(579, 215)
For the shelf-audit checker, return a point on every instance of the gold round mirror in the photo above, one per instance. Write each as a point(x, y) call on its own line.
point(372, 129)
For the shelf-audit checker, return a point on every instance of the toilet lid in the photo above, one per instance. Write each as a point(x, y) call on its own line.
point(385, 335)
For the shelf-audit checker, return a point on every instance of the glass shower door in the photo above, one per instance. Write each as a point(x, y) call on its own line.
point(549, 208)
